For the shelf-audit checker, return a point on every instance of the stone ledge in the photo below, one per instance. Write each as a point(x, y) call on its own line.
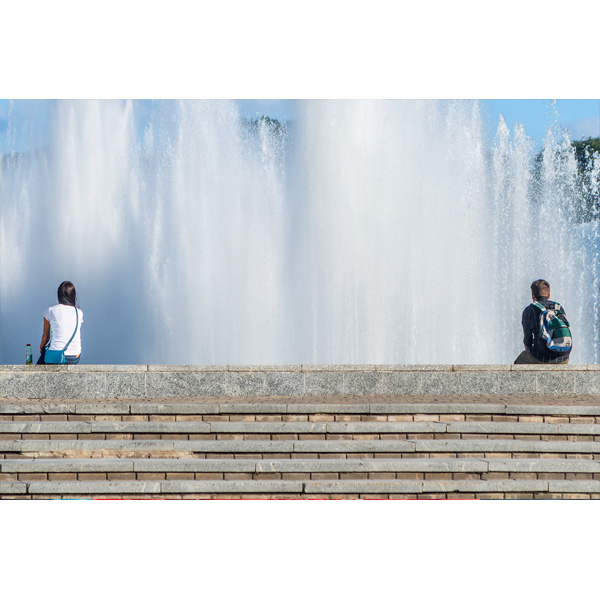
point(89, 382)
point(306, 368)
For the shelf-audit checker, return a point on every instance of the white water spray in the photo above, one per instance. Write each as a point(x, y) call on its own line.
point(373, 232)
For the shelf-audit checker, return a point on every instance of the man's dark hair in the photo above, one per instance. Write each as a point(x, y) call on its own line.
point(539, 288)
point(66, 293)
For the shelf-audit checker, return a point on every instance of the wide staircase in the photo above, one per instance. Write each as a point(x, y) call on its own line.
point(320, 447)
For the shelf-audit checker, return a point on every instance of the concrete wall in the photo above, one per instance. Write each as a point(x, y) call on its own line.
point(188, 381)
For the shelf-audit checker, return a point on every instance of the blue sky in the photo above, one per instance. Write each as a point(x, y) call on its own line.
point(581, 117)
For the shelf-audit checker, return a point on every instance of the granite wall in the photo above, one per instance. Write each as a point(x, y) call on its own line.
point(189, 381)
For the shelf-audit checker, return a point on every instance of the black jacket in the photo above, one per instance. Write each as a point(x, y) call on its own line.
point(531, 334)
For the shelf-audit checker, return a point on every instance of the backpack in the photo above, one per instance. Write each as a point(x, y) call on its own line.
point(555, 332)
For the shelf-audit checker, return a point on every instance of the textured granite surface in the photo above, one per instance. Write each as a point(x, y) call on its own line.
point(97, 382)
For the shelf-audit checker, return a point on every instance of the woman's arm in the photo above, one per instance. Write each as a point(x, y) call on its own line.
point(45, 334)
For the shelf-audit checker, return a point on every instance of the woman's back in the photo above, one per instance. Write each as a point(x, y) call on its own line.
point(62, 325)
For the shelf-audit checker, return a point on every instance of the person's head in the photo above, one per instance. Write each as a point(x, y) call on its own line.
point(66, 293)
point(540, 288)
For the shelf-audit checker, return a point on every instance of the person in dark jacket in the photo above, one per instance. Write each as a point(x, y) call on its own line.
point(536, 352)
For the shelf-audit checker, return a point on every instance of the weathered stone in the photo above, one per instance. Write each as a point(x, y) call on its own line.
point(513, 446)
point(386, 427)
point(555, 383)
point(481, 368)
point(262, 427)
point(95, 385)
point(399, 383)
point(499, 427)
point(576, 429)
point(66, 385)
point(523, 409)
point(336, 368)
point(385, 465)
point(485, 485)
point(516, 383)
point(361, 383)
point(92, 445)
point(162, 427)
point(362, 487)
point(102, 409)
point(166, 385)
point(326, 408)
point(179, 465)
point(231, 487)
point(22, 385)
point(125, 385)
point(83, 368)
point(354, 446)
point(58, 408)
point(245, 384)
point(544, 465)
point(206, 384)
point(266, 368)
point(284, 384)
point(19, 409)
point(476, 384)
point(66, 465)
point(324, 384)
point(440, 384)
point(574, 486)
point(12, 487)
point(189, 368)
point(236, 446)
point(44, 427)
point(174, 409)
point(147, 381)
point(94, 487)
point(246, 407)
point(587, 383)
point(10, 446)
point(416, 368)
point(436, 408)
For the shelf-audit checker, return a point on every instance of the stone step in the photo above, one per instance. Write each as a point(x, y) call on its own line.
point(303, 488)
point(381, 465)
point(291, 431)
point(278, 427)
point(302, 449)
point(47, 448)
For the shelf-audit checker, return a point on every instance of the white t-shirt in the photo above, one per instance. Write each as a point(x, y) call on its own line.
point(62, 325)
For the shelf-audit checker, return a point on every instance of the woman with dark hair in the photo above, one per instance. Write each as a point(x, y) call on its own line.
point(60, 323)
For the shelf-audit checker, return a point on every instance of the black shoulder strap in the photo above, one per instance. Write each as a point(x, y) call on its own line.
point(76, 324)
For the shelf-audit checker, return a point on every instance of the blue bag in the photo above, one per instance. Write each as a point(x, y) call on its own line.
point(57, 357)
